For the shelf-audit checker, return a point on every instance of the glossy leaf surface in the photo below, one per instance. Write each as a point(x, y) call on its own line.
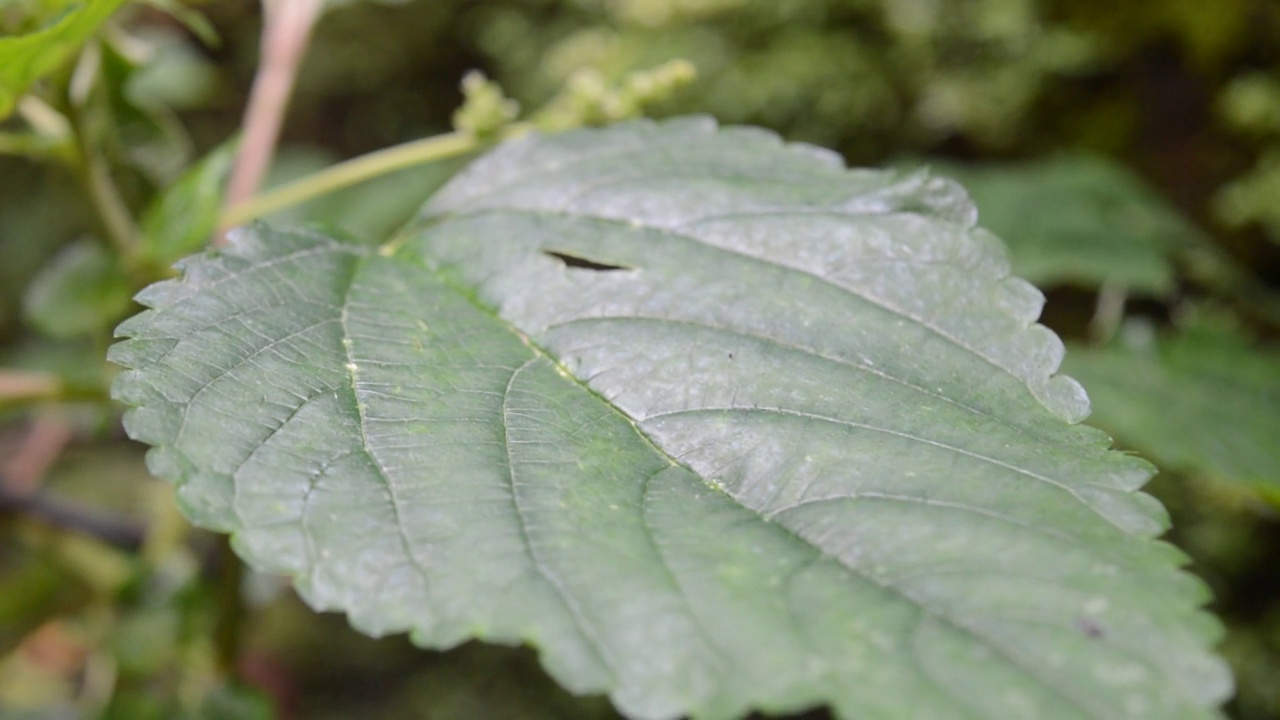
point(712, 422)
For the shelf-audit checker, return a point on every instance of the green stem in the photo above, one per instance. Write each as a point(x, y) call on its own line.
point(19, 388)
point(1108, 314)
point(32, 146)
point(360, 169)
point(230, 609)
point(116, 220)
point(95, 173)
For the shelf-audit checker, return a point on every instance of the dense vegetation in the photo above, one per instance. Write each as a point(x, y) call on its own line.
point(1127, 153)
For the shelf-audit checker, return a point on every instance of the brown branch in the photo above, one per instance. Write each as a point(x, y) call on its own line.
point(46, 438)
point(29, 385)
point(112, 529)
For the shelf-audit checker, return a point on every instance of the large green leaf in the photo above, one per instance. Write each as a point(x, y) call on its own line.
point(26, 58)
point(1202, 400)
point(714, 423)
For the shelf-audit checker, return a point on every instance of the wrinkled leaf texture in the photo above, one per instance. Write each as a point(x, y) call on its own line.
point(714, 423)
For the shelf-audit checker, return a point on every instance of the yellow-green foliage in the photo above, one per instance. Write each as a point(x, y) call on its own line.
point(821, 70)
point(1251, 103)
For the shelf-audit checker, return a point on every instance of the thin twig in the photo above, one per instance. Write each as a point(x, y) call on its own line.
point(93, 169)
point(286, 31)
point(22, 476)
point(111, 210)
point(30, 145)
point(32, 387)
point(227, 635)
point(46, 438)
point(66, 515)
point(29, 386)
point(1108, 313)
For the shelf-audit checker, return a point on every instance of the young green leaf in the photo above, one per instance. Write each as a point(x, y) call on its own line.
point(26, 58)
point(183, 218)
point(787, 435)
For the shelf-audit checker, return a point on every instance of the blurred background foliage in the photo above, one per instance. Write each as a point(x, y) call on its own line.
point(1129, 153)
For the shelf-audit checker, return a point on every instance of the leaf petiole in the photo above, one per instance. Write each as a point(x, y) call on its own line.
point(362, 168)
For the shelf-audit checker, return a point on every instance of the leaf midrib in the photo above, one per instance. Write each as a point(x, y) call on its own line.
point(352, 370)
point(580, 621)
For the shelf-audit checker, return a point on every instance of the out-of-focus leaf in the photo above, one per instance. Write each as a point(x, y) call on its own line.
point(38, 680)
point(714, 423)
point(172, 73)
point(26, 58)
point(146, 643)
point(1254, 650)
point(1251, 103)
point(1201, 400)
point(81, 290)
point(1077, 220)
point(820, 70)
point(38, 214)
point(1255, 197)
point(34, 587)
point(191, 19)
point(182, 219)
point(483, 681)
point(374, 210)
point(139, 129)
point(236, 702)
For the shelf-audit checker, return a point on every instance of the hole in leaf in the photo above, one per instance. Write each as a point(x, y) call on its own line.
point(576, 261)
